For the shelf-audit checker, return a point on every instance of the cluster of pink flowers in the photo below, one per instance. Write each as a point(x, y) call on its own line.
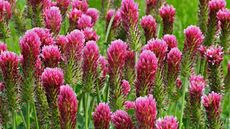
point(117, 18)
point(214, 55)
point(197, 85)
point(53, 19)
point(68, 105)
point(146, 68)
point(149, 25)
point(5, 11)
point(81, 17)
point(168, 122)
point(129, 14)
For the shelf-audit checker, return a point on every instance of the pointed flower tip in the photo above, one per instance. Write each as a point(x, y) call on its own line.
point(167, 12)
point(129, 14)
point(158, 47)
point(52, 78)
point(197, 85)
point(74, 15)
point(193, 39)
point(94, 14)
point(68, 106)
point(90, 59)
point(117, 18)
point(224, 15)
point(3, 47)
point(51, 55)
point(129, 105)
point(125, 87)
point(9, 64)
point(149, 25)
point(212, 104)
point(215, 5)
point(168, 122)
point(121, 120)
point(90, 34)
point(5, 10)
point(102, 116)
point(80, 5)
point(170, 40)
point(53, 19)
point(174, 58)
point(44, 35)
point(116, 54)
point(84, 21)
point(146, 70)
point(214, 55)
point(146, 111)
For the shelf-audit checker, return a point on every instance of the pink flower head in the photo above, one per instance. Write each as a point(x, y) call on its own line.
point(61, 41)
point(75, 44)
point(44, 35)
point(174, 60)
point(150, 4)
point(121, 120)
point(129, 14)
point(170, 40)
point(90, 34)
point(117, 18)
point(94, 14)
point(129, 105)
point(202, 49)
point(167, 12)
point(74, 15)
point(125, 87)
point(63, 5)
point(5, 10)
point(102, 116)
point(90, 59)
point(103, 67)
point(3, 47)
point(214, 55)
point(51, 56)
point(216, 5)
point(52, 79)
point(168, 122)
point(158, 47)
point(193, 39)
point(80, 5)
point(146, 68)
point(30, 49)
point(212, 105)
point(197, 85)
point(224, 15)
point(146, 112)
point(9, 66)
point(53, 19)
point(68, 106)
point(84, 22)
point(116, 56)
point(149, 25)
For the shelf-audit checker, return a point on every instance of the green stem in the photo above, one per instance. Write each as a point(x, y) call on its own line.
point(185, 83)
point(28, 115)
point(86, 111)
point(14, 120)
point(36, 119)
point(23, 119)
